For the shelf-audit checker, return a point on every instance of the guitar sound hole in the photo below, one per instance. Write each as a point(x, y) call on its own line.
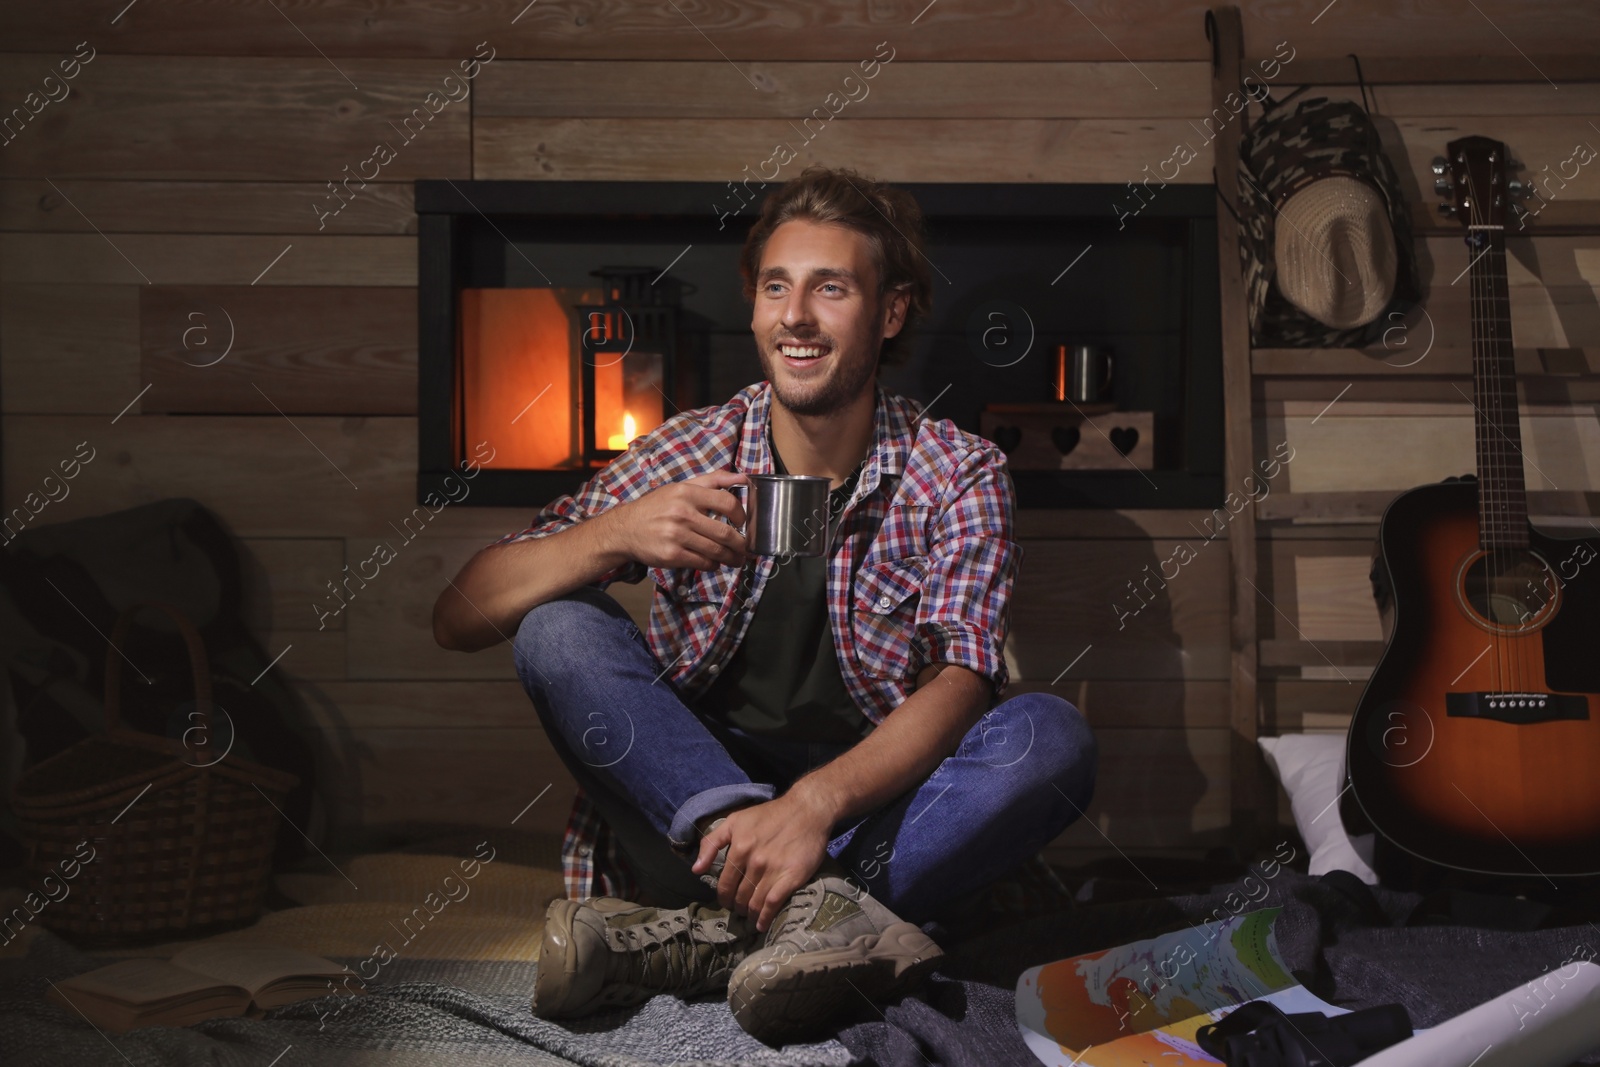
point(1509, 590)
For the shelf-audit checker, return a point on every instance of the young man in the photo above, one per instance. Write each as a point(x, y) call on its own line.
point(815, 742)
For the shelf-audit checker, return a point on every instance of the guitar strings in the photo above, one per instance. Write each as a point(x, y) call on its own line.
point(1486, 447)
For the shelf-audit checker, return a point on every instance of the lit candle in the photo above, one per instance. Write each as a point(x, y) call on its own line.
point(619, 441)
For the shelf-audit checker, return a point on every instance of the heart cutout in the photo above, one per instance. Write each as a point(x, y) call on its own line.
point(1066, 438)
point(1007, 437)
point(1124, 438)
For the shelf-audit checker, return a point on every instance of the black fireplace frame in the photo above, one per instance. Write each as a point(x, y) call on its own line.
point(444, 207)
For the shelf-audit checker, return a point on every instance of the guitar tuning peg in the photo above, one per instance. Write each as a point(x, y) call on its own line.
point(1443, 186)
point(1447, 210)
point(1519, 188)
point(1439, 165)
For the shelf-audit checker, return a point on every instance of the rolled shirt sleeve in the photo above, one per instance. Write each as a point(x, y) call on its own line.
point(972, 564)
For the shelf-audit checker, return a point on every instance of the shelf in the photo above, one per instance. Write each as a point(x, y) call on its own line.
point(1369, 504)
point(1565, 363)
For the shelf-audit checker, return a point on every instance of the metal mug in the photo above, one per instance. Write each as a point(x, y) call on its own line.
point(786, 514)
point(1083, 373)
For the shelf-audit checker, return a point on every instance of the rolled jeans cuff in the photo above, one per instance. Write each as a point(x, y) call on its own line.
point(682, 833)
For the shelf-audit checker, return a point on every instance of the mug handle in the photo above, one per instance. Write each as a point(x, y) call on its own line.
point(744, 502)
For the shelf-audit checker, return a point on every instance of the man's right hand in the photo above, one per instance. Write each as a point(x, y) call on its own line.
point(669, 526)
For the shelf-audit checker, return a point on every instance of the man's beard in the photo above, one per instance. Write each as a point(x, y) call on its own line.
point(841, 386)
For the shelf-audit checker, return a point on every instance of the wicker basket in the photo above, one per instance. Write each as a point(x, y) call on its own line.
point(181, 841)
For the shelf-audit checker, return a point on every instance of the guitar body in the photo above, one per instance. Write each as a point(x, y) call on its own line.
point(1476, 743)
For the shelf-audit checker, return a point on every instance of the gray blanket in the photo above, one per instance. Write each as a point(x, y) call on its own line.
point(1351, 951)
point(1350, 946)
point(430, 1012)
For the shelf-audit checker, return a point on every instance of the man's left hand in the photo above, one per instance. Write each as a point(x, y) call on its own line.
point(773, 849)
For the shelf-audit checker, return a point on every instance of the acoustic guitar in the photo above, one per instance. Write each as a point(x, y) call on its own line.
point(1476, 743)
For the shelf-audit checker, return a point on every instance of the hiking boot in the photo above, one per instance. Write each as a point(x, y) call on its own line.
point(609, 953)
point(829, 948)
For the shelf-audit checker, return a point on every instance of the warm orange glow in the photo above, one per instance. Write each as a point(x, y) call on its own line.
point(620, 441)
point(519, 383)
point(521, 379)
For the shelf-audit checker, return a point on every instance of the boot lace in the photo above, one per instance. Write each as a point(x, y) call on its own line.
point(670, 955)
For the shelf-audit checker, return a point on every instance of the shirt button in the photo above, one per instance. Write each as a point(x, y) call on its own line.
point(883, 601)
point(712, 669)
point(683, 590)
point(584, 850)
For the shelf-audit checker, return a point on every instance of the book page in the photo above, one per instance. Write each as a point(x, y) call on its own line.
point(143, 983)
point(146, 982)
point(256, 967)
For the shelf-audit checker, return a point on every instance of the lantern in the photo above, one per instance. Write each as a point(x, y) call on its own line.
point(557, 380)
point(626, 347)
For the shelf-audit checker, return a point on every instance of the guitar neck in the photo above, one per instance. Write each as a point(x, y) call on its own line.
point(1502, 492)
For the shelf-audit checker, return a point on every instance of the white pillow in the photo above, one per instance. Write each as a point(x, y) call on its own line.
point(1311, 768)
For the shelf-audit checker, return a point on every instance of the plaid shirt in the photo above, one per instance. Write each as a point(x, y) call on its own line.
point(921, 569)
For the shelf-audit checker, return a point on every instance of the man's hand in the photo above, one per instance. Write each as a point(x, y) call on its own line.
point(669, 526)
point(773, 850)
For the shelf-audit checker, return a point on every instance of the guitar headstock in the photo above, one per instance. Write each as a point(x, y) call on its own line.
point(1475, 182)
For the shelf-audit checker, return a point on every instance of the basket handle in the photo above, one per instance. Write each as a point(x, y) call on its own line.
point(199, 666)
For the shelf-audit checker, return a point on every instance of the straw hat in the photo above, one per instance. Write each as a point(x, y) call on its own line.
point(1325, 232)
point(1335, 252)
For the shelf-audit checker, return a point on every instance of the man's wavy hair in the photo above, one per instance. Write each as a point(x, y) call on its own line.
point(888, 217)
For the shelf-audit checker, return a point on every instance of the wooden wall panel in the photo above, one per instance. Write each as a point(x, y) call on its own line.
point(1072, 594)
point(842, 30)
point(280, 575)
point(68, 350)
point(429, 705)
point(391, 620)
point(1344, 450)
point(308, 655)
point(477, 777)
point(264, 476)
point(954, 150)
point(1158, 704)
point(1291, 705)
point(1157, 789)
point(1366, 505)
point(1094, 524)
point(320, 351)
point(684, 90)
point(236, 119)
point(1322, 591)
point(434, 752)
point(1472, 101)
point(62, 205)
point(206, 259)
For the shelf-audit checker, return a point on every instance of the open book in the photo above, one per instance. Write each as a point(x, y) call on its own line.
point(200, 982)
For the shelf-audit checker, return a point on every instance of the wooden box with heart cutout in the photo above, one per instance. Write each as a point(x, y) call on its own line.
point(1060, 436)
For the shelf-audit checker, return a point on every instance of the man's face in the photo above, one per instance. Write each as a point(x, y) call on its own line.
point(818, 322)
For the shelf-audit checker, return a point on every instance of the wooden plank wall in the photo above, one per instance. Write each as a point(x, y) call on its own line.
point(166, 204)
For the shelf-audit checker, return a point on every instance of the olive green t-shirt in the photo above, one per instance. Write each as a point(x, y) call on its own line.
point(783, 680)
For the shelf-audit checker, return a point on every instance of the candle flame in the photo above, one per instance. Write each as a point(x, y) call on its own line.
point(630, 429)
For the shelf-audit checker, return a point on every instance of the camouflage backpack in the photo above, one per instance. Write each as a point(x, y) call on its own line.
point(1282, 152)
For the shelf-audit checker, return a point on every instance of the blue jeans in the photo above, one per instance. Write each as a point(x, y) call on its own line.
point(653, 766)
